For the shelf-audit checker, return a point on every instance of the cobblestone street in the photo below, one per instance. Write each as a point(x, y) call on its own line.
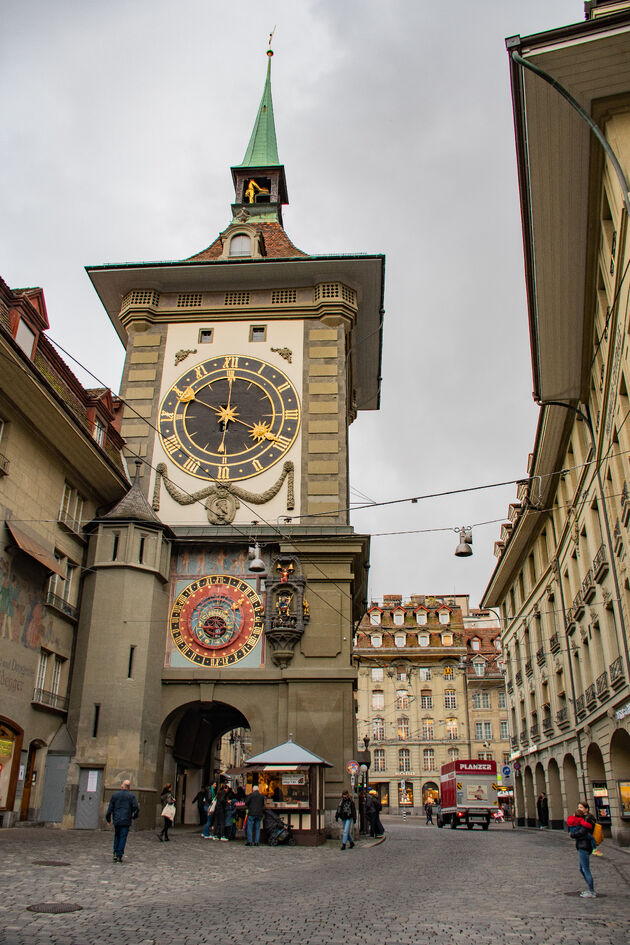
point(421, 885)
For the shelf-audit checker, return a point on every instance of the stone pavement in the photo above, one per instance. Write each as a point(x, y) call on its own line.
point(422, 885)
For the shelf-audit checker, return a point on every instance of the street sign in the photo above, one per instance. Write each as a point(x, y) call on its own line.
point(352, 767)
point(507, 771)
point(352, 781)
point(516, 765)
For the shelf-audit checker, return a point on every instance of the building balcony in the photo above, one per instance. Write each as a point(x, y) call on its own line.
point(518, 679)
point(529, 669)
point(4, 465)
point(569, 620)
point(547, 724)
point(625, 504)
point(533, 731)
point(541, 658)
point(70, 524)
point(50, 700)
point(510, 686)
point(600, 565)
point(602, 686)
point(617, 539)
point(578, 606)
point(590, 696)
point(588, 587)
point(580, 707)
point(554, 643)
point(616, 673)
point(524, 739)
point(62, 606)
point(562, 717)
point(514, 742)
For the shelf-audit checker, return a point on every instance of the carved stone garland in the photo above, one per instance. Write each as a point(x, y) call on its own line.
point(287, 610)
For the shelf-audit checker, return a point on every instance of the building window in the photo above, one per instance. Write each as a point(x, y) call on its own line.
point(445, 617)
point(506, 757)
point(453, 754)
point(399, 618)
point(426, 699)
point(400, 639)
point(378, 699)
point(485, 756)
point(375, 618)
point(403, 727)
point(240, 246)
point(427, 729)
point(505, 731)
point(71, 508)
point(377, 674)
point(428, 759)
point(450, 699)
point(55, 686)
point(483, 731)
point(497, 644)
point(377, 639)
point(421, 618)
point(447, 639)
point(205, 336)
point(424, 673)
point(63, 589)
point(404, 760)
point(25, 337)
point(378, 730)
point(502, 703)
point(98, 432)
point(40, 679)
point(481, 700)
point(451, 729)
point(401, 675)
point(402, 699)
point(379, 759)
point(423, 639)
point(480, 668)
point(257, 332)
point(475, 643)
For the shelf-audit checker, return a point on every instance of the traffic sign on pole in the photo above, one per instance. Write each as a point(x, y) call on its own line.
point(352, 767)
point(507, 771)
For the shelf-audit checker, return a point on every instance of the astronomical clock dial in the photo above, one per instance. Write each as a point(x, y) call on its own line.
point(217, 620)
point(229, 418)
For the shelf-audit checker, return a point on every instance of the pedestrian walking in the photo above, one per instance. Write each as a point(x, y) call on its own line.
point(373, 808)
point(255, 804)
point(219, 815)
point(123, 808)
point(168, 812)
point(542, 806)
point(347, 814)
point(581, 826)
point(205, 833)
point(201, 799)
point(428, 809)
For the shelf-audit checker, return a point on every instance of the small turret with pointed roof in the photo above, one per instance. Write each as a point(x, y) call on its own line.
point(259, 181)
point(133, 506)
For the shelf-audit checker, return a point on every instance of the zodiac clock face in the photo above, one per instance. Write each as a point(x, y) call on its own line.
point(217, 620)
point(229, 418)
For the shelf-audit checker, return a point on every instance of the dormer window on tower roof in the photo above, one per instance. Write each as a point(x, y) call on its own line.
point(240, 245)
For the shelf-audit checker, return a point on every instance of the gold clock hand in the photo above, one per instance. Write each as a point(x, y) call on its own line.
point(226, 418)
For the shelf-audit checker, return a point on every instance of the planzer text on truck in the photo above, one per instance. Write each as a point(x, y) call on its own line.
point(468, 793)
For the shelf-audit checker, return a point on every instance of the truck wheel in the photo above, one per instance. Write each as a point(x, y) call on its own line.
point(440, 822)
point(470, 826)
point(453, 823)
point(485, 826)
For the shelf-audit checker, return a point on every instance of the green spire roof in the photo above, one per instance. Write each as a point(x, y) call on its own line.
point(262, 150)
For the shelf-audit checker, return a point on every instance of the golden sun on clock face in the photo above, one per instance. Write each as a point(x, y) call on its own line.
point(228, 418)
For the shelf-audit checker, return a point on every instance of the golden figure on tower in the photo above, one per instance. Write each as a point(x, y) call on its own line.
point(253, 190)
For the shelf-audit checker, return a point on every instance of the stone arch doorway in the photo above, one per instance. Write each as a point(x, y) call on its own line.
point(11, 736)
point(190, 751)
point(597, 784)
point(556, 817)
point(571, 785)
point(27, 810)
point(620, 768)
point(430, 792)
point(530, 798)
point(519, 798)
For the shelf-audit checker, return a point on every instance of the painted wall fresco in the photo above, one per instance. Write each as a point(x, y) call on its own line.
point(24, 618)
point(193, 562)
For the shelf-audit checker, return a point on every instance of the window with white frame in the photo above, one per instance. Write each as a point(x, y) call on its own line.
point(403, 727)
point(505, 730)
point(502, 702)
point(453, 754)
point(404, 760)
point(427, 729)
point(402, 699)
point(445, 617)
point(400, 639)
point(98, 431)
point(423, 639)
point(451, 729)
point(475, 643)
point(377, 639)
point(399, 618)
point(377, 674)
point(379, 759)
point(378, 699)
point(497, 644)
point(71, 509)
point(240, 246)
point(401, 675)
point(42, 666)
point(450, 699)
point(483, 731)
point(447, 639)
point(485, 756)
point(481, 700)
point(63, 589)
point(55, 686)
point(421, 618)
point(480, 668)
point(375, 618)
point(426, 699)
point(424, 673)
point(378, 729)
point(428, 759)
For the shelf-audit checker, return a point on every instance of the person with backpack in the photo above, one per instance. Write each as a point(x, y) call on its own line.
point(347, 814)
point(581, 826)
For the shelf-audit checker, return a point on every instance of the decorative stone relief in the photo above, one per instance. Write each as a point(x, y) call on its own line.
point(285, 353)
point(183, 353)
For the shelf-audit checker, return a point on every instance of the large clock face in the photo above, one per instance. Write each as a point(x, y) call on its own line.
point(229, 418)
point(217, 620)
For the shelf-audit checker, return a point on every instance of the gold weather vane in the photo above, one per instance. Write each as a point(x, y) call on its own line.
point(271, 35)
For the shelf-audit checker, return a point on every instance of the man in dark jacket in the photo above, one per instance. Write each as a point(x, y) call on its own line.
point(123, 808)
point(581, 829)
point(347, 814)
point(372, 809)
point(255, 804)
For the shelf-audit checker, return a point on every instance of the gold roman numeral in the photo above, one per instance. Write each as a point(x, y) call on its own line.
point(231, 361)
point(200, 371)
point(282, 441)
point(166, 415)
point(284, 386)
point(257, 466)
point(191, 465)
point(290, 414)
point(171, 444)
point(223, 472)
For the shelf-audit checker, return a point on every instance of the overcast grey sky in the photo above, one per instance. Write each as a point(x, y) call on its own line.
point(394, 123)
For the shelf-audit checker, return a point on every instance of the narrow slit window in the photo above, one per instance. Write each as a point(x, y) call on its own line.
point(97, 713)
point(132, 650)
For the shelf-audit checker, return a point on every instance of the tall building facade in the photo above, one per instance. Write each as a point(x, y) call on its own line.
point(245, 365)
point(561, 578)
point(60, 463)
point(431, 689)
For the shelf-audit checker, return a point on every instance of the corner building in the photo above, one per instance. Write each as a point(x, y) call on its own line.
point(561, 578)
point(245, 365)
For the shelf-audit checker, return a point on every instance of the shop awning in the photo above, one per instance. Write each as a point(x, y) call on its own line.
point(33, 546)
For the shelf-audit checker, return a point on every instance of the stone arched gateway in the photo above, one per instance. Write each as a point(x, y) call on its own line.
point(556, 815)
point(571, 784)
point(530, 798)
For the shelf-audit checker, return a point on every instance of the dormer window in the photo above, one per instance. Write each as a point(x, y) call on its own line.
point(447, 639)
point(400, 639)
point(399, 618)
point(479, 667)
point(25, 337)
point(377, 639)
point(423, 639)
point(421, 618)
point(98, 431)
point(240, 246)
point(475, 643)
point(445, 617)
point(375, 618)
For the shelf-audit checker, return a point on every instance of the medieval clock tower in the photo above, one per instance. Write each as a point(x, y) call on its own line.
point(245, 365)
